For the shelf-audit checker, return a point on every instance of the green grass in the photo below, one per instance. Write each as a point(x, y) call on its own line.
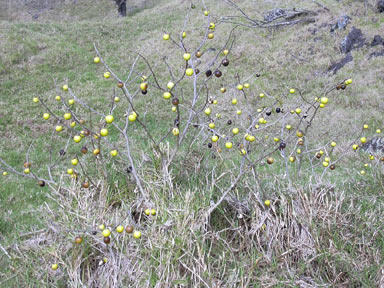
point(34, 54)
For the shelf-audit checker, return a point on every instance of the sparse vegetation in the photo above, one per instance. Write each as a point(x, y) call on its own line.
point(173, 148)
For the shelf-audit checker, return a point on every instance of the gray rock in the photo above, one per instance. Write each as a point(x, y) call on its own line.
point(341, 23)
point(380, 6)
point(353, 40)
point(338, 65)
point(377, 40)
point(376, 144)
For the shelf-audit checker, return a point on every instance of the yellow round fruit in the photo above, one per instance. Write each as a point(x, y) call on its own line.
point(348, 81)
point(211, 35)
point(35, 99)
point(298, 151)
point(325, 164)
point(117, 99)
point(74, 162)
point(228, 145)
point(322, 105)
point(225, 52)
point(292, 91)
point(365, 126)
point(5, 173)
point(67, 116)
point(147, 212)
point(251, 138)
point(114, 153)
point(362, 172)
point(355, 146)
point(58, 98)
point(46, 116)
point(211, 25)
point(235, 131)
point(363, 140)
point(240, 87)
point(218, 115)
point(321, 152)
point(299, 133)
point(246, 85)
point(378, 131)
point(215, 138)
point(206, 12)
point(223, 90)
point(107, 75)
point(109, 119)
point(175, 131)
point(70, 171)
point(170, 85)
point(333, 144)
point(238, 112)
point(132, 117)
point(207, 111)
point(96, 60)
point(257, 126)
point(371, 157)
point(184, 34)
point(324, 100)
point(174, 109)
point(59, 128)
point(288, 127)
point(234, 101)
point(27, 171)
point(261, 95)
point(327, 159)
point(104, 132)
point(215, 101)
point(189, 72)
point(243, 151)
point(73, 124)
point(267, 203)
point(292, 159)
point(211, 125)
point(106, 233)
point(153, 212)
point(166, 36)
point(137, 234)
point(298, 110)
point(261, 120)
point(143, 86)
point(120, 229)
point(276, 139)
point(77, 138)
point(54, 267)
point(65, 87)
point(187, 56)
point(167, 95)
point(71, 101)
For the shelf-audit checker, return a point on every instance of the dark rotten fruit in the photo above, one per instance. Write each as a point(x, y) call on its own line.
point(208, 73)
point(197, 71)
point(229, 122)
point(270, 160)
point(282, 145)
point(209, 145)
point(84, 150)
point(120, 84)
point(78, 240)
point(278, 110)
point(218, 73)
point(62, 152)
point(144, 92)
point(107, 240)
point(41, 183)
point(27, 165)
point(87, 132)
point(268, 113)
point(318, 155)
point(175, 101)
point(85, 185)
point(198, 54)
point(332, 167)
point(225, 62)
point(129, 229)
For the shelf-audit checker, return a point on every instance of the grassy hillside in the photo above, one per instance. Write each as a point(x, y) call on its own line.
point(45, 46)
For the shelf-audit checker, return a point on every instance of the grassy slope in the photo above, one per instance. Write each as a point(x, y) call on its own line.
point(34, 52)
